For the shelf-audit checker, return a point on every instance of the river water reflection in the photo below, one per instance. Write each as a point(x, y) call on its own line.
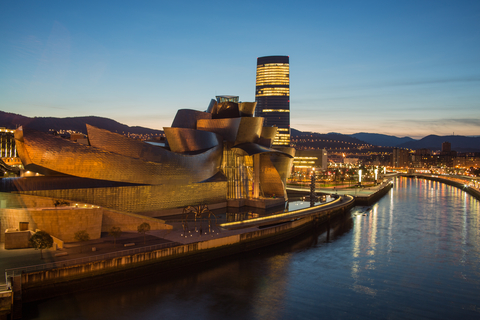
point(415, 254)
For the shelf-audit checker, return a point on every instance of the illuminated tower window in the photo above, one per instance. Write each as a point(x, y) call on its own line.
point(272, 95)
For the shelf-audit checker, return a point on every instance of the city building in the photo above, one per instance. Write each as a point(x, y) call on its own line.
point(446, 146)
point(272, 94)
point(467, 160)
point(220, 157)
point(400, 158)
point(308, 159)
point(9, 161)
point(222, 154)
point(7, 143)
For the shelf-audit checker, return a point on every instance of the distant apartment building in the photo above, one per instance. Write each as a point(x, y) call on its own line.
point(7, 144)
point(350, 160)
point(423, 158)
point(467, 160)
point(272, 94)
point(446, 146)
point(400, 158)
point(308, 159)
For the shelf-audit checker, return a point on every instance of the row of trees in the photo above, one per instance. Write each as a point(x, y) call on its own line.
point(43, 240)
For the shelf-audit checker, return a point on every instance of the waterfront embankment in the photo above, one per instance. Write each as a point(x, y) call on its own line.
point(466, 184)
point(364, 196)
point(178, 249)
point(62, 277)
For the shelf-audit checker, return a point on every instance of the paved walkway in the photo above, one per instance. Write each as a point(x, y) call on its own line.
point(356, 192)
point(15, 258)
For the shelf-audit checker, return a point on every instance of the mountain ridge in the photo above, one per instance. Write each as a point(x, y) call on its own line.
point(12, 121)
point(432, 142)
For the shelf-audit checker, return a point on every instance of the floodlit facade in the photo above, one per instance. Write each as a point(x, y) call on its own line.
point(272, 95)
point(308, 159)
point(211, 157)
point(7, 144)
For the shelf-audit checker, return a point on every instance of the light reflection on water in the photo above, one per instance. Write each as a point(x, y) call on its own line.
point(414, 254)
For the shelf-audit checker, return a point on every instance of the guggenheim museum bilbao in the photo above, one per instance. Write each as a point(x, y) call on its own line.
point(220, 157)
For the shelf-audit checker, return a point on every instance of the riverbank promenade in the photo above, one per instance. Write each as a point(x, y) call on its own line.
point(129, 243)
point(471, 185)
point(357, 192)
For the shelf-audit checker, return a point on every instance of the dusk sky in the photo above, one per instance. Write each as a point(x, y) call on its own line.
point(404, 68)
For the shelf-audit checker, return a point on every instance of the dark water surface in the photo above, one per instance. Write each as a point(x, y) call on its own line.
point(415, 255)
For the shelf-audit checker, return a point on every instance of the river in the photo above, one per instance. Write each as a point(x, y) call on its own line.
point(414, 254)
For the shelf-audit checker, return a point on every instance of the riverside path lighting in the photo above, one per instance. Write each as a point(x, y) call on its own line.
point(313, 195)
point(376, 175)
point(360, 176)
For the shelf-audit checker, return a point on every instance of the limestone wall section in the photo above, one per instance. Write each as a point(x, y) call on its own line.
point(130, 221)
point(63, 223)
point(10, 219)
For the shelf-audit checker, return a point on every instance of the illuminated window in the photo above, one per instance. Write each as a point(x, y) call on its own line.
point(275, 110)
point(276, 91)
point(273, 74)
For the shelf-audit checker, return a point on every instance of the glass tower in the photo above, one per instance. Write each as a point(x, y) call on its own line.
point(272, 95)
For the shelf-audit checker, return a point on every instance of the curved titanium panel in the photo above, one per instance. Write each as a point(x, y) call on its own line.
point(64, 156)
point(227, 128)
point(267, 136)
point(118, 143)
point(247, 109)
point(283, 164)
point(270, 180)
point(249, 130)
point(22, 152)
point(187, 118)
point(185, 140)
point(212, 106)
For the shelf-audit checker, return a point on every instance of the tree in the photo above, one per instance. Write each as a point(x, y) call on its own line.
point(41, 240)
point(115, 232)
point(143, 228)
point(82, 236)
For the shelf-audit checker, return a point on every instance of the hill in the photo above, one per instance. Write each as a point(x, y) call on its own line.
point(381, 139)
point(333, 136)
point(12, 121)
point(433, 142)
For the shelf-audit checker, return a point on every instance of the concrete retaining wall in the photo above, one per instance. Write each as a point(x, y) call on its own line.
point(17, 239)
point(6, 302)
point(63, 223)
point(130, 221)
point(371, 199)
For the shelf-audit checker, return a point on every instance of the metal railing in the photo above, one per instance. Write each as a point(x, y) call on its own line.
point(65, 263)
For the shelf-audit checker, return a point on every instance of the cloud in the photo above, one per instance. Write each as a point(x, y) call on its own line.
point(443, 122)
point(432, 81)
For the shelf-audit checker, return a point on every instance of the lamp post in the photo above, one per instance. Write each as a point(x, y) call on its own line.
point(313, 195)
point(360, 177)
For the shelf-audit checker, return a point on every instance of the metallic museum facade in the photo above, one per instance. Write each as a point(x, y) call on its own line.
point(219, 156)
